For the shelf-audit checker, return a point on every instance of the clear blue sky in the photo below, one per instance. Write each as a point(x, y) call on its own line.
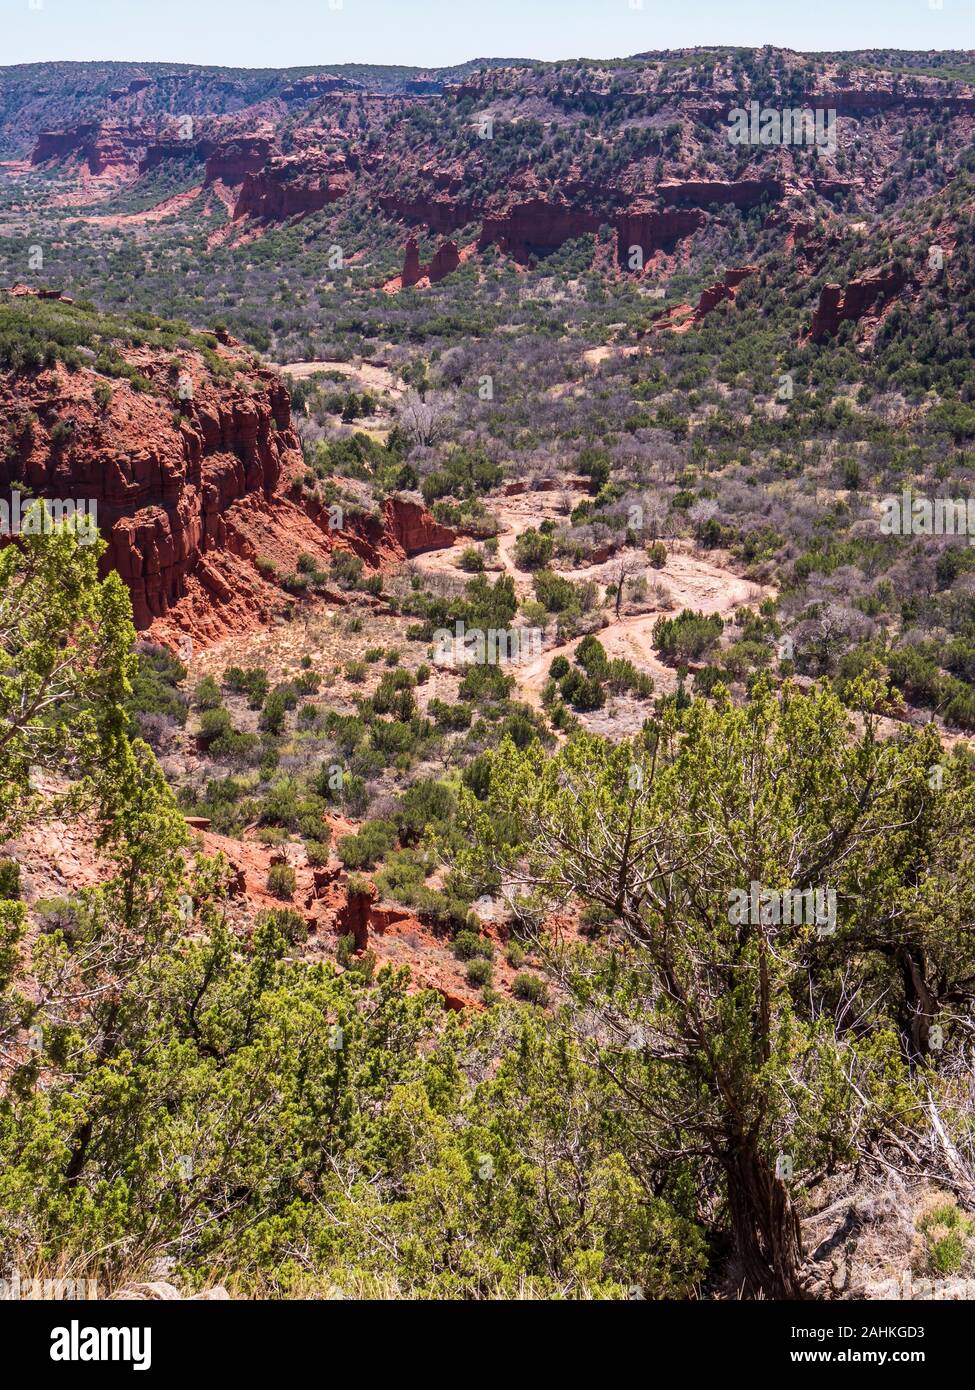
point(435, 33)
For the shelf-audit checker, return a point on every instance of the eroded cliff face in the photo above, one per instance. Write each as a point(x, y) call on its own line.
point(292, 185)
point(236, 157)
point(190, 480)
point(663, 188)
point(864, 297)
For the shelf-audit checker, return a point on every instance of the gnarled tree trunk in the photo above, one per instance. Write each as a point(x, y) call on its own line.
point(765, 1226)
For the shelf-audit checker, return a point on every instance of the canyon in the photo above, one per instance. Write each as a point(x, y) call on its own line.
point(191, 476)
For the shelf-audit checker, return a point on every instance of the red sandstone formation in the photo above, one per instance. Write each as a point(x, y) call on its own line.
point(446, 259)
point(741, 193)
point(189, 491)
point(233, 159)
point(651, 229)
point(858, 300)
point(723, 289)
point(441, 212)
point(412, 270)
point(291, 185)
point(60, 144)
point(411, 529)
point(684, 316)
point(536, 223)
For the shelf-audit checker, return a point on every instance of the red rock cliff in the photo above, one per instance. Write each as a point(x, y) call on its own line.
point(861, 298)
point(290, 185)
point(188, 480)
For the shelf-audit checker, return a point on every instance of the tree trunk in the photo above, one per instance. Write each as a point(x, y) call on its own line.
point(920, 1003)
point(765, 1227)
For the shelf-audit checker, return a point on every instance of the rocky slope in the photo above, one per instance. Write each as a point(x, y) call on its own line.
point(530, 157)
point(186, 458)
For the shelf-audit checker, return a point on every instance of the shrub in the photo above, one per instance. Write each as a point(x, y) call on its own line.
point(9, 878)
point(154, 684)
point(471, 560)
point(588, 695)
point(371, 843)
point(479, 972)
point(424, 802)
point(533, 550)
point(530, 988)
point(486, 682)
point(591, 655)
point(946, 1231)
point(453, 717)
point(345, 950)
point(281, 880)
point(207, 694)
point(272, 715)
point(253, 683)
point(555, 593)
point(469, 945)
point(687, 636)
point(657, 554)
point(215, 724)
point(346, 568)
point(289, 923)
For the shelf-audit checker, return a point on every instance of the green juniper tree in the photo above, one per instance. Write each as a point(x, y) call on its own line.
point(733, 1038)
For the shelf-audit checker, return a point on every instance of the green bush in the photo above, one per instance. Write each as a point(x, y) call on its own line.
point(468, 945)
point(686, 637)
point(533, 550)
point(207, 694)
point(479, 972)
point(9, 878)
point(281, 881)
point(530, 988)
point(285, 920)
point(371, 843)
point(215, 724)
point(657, 554)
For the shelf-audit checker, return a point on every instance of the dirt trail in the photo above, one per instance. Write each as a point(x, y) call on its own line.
point(691, 582)
point(364, 374)
point(689, 579)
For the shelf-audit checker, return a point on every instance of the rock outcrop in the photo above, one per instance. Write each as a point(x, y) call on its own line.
point(441, 212)
point(652, 229)
point(537, 224)
point(863, 297)
point(412, 270)
point(291, 185)
point(445, 259)
point(60, 144)
point(318, 85)
point(189, 480)
point(723, 290)
point(739, 193)
point(234, 158)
